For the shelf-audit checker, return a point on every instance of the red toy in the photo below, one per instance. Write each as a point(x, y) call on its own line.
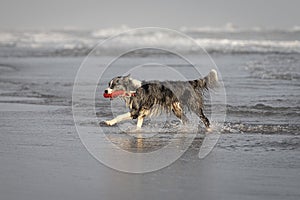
point(116, 94)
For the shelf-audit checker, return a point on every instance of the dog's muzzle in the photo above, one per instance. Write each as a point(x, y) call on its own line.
point(108, 91)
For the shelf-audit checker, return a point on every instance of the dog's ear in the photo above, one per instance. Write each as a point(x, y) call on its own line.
point(127, 77)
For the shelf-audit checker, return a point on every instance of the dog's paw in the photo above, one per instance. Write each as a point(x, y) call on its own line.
point(209, 130)
point(106, 123)
point(109, 123)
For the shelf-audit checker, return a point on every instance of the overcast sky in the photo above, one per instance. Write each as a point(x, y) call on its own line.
point(93, 14)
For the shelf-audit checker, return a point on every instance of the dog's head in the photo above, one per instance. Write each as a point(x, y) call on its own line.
point(122, 85)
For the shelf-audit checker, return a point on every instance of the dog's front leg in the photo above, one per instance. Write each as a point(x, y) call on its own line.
point(118, 119)
point(140, 122)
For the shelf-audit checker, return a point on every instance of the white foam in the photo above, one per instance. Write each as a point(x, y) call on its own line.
point(229, 27)
point(108, 32)
point(78, 39)
point(249, 45)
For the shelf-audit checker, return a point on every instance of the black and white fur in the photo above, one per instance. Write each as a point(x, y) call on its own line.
point(170, 96)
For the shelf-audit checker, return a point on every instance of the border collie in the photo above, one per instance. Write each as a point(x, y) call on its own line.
point(150, 98)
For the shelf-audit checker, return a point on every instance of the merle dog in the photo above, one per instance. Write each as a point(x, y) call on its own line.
point(150, 98)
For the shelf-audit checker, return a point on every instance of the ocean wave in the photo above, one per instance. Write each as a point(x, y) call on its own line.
point(249, 46)
point(231, 28)
point(266, 110)
point(292, 129)
point(108, 32)
point(80, 43)
point(261, 106)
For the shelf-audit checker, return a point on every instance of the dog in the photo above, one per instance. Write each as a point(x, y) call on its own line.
point(151, 98)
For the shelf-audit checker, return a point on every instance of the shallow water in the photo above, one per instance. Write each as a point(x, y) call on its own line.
point(41, 155)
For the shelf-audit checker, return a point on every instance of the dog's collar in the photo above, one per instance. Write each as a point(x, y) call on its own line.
point(119, 93)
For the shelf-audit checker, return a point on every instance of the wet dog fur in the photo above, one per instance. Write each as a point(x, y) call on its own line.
point(153, 97)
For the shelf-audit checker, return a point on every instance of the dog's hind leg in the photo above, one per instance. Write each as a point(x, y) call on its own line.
point(142, 114)
point(178, 112)
point(118, 119)
point(203, 118)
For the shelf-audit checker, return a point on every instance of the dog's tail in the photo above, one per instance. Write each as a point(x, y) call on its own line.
point(208, 82)
point(211, 80)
